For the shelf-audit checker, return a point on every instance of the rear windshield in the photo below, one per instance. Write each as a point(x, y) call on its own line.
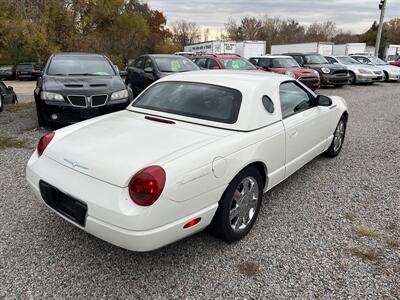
point(84, 65)
point(25, 67)
point(175, 64)
point(195, 100)
point(5, 67)
point(237, 64)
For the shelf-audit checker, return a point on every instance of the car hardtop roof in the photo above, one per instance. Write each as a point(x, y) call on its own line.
point(253, 86)
point(300, 53)
point(222, 55)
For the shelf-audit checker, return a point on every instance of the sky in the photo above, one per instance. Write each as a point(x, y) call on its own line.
point(350, 15)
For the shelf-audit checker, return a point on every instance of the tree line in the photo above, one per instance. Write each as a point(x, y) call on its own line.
point(31, 30)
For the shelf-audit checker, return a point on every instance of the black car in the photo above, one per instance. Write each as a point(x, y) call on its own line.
point(7, 95)
point(79, 86)
point(28, 71)
point(7, 72)
point(329, 74)
point(146, 69)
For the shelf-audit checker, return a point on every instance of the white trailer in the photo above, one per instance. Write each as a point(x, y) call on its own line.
point(323, 48)
point(245, 49)
point(212, 47)
point(392, 50)
point(349, 48)
point(249, 49)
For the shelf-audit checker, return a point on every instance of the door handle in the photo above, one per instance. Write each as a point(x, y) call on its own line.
point(293, 133)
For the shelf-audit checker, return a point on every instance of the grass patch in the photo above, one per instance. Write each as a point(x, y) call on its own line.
point(365, 231)
point(365, 255)
point(349, 216)
point(393, 243)
point(11, 142)
point(248, 268)
point(18, 107)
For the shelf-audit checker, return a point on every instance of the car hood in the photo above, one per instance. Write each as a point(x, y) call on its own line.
point(389, 68)
point(298, 72)
point(83, 85)
point(115, 147)
point(361, 66)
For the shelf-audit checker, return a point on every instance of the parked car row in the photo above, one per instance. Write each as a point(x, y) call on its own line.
point(23, 71)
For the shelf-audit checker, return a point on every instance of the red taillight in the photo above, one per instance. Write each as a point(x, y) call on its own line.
point(44, 142)
point(147, 185)
point(192, 223)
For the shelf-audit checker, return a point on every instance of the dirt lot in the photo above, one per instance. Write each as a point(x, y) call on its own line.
point(331, 231)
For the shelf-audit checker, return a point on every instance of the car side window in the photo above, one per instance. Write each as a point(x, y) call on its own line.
point(212, 64)
point(299, 59)
point(264, 62)
point(139, 63)
point(294, 99)
point(201, 62)
point(148, 63)
point(331, 60)
point(254, 61)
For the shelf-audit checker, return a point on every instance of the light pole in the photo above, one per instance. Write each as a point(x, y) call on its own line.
point(382, 7)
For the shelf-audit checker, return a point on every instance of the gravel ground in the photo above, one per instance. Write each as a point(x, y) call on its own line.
point(330, 231)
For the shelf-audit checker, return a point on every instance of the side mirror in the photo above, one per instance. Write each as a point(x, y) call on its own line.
point(10, 88)
point(123, 73)
point(148, 70)
point(324, 100)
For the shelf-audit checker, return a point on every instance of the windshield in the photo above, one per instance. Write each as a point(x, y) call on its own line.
point(84, 65)
point(347, 60)
point(288, 62)
point(175, 64)
point(24, 67)
point(376, 61)
point(237, 64)
point(315, 59)
point(195, 100)
point(5, 67)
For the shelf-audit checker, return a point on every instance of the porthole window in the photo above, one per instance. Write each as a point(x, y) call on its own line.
point(268, 104)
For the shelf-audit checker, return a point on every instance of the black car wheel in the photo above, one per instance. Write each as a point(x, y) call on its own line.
point(239, 206)
point(352, 79)
point(1, 103)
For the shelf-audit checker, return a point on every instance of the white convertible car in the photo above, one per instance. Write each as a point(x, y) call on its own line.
point(193, 150)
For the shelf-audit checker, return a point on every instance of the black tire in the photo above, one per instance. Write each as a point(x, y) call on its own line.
point(221, 226)
point(1, 103)
point(352, 79)
point(40, 117)
point(386, 76)
point(335, 147)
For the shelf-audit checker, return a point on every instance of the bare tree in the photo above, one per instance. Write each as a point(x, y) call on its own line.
point(324, 31)
point(185, 33)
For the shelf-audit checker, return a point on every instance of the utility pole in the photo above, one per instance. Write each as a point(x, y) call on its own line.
point(382, 7)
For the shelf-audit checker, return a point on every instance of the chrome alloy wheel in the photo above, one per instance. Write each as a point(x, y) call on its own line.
point(338, 136)
point(244, 204)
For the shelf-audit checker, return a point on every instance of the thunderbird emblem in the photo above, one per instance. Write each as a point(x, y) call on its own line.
point(75, 164)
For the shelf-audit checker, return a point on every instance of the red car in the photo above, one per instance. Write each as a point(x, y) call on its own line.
point(287, 65)
point(222, 61)
point(395, 61)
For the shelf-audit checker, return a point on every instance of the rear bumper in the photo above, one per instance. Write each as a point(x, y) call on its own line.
point(113, 217)
point(26, 76)
point(328, 79)
point(68, 114)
